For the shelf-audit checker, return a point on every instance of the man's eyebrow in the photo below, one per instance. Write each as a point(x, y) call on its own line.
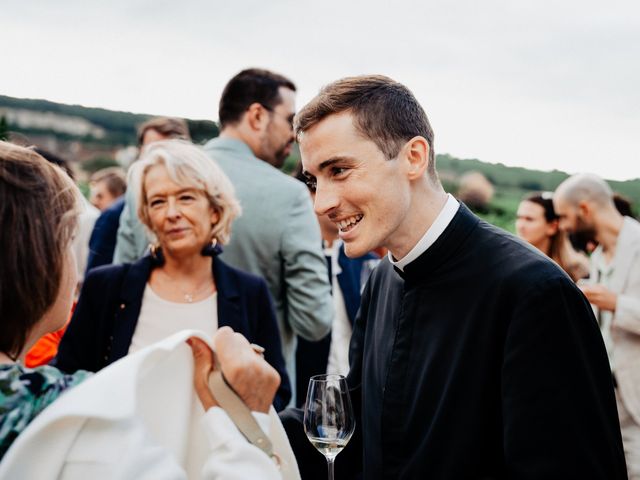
point(332, 160)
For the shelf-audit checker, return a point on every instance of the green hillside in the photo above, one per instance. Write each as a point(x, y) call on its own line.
point(120, 127)
point(511, 183)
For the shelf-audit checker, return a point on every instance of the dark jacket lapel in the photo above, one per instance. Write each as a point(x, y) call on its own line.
point(229, 312)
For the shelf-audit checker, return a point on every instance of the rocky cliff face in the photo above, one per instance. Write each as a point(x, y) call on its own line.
point(31, 119)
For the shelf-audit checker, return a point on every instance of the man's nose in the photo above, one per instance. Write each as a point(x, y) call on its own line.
point(326, 199)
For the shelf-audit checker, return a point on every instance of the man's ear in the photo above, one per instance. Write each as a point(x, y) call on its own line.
point(256, 116)
point(584, 209)
point(416, 151)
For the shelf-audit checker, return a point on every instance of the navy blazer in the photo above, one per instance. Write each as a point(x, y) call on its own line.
point(102, 243)
point(106, 316)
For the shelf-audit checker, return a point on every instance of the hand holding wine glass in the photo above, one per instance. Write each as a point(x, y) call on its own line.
point(328, 416)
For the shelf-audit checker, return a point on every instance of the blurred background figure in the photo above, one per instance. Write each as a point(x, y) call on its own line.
point(162, 128)
point(106, 186)
point(475, 190)
point(586, 243)
point(585, 204)
point(347, 277)
point(623, 205)
point(187, 204)
point(86, 220)
point(537, 223)
point(277, 236)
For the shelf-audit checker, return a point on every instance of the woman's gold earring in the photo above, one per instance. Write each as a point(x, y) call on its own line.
point(153, 249)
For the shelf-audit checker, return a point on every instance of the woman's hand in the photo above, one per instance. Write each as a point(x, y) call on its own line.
point(250, 376)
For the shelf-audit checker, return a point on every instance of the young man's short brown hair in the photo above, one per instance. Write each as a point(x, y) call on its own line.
point(114, 178)
point(384, 111)
point(38, 216)
point(167, 127)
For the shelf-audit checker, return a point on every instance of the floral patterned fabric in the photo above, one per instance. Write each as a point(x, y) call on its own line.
point(25, 392)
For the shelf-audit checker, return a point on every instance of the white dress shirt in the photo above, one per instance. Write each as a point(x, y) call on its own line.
point(439, 225)
point(341, 328)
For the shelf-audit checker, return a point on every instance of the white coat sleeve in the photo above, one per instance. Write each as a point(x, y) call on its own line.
point(231, 455)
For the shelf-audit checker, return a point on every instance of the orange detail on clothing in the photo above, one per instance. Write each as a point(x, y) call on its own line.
point(46, 348)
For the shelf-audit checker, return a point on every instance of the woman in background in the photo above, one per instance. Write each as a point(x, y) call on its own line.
point(537, 223)
point(187, 205)
point(39, 207)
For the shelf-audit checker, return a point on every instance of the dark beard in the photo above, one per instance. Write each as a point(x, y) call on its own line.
point(581, 238)
point(281, 155)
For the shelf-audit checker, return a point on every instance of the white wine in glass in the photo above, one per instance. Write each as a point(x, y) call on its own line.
point(328, 416)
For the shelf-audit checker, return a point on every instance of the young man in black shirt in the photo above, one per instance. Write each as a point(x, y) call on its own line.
point(473, 356)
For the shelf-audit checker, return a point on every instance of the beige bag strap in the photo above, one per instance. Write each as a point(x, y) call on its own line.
point(239, 413)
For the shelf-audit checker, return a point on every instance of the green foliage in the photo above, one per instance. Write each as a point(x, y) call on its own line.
point(98, 163)
point(120, 127)
point(292, 161)
point(202, 130)
point(513, 183)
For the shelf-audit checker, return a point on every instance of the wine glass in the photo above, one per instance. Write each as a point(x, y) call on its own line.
point(328, 416)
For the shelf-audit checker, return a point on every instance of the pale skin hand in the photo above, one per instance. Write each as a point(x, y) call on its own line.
point(250, 376)
point(600, 296)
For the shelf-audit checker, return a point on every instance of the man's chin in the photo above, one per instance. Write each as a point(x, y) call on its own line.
point(353, 250)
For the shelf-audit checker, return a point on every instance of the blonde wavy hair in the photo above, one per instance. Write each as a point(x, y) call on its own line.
point(187, 165)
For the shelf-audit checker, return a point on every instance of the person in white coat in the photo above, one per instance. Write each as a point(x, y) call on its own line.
point(39, 205)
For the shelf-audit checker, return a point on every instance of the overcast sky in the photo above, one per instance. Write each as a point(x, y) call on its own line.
point(541, 84)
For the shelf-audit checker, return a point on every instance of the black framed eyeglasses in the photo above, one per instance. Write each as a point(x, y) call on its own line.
point(288, 119)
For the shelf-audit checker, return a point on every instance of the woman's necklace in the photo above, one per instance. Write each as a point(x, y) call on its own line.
point(188, 297)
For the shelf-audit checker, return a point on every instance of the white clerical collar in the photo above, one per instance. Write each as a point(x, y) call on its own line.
point(435, 230)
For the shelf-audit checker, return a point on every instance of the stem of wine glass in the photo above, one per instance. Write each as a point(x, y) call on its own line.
point(330, 467)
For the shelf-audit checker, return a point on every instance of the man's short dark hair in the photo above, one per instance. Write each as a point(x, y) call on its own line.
point(250, 86)
point(384, 111)
point(166, 126)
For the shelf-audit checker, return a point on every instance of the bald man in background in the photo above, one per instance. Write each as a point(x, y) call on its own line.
point(585, 205)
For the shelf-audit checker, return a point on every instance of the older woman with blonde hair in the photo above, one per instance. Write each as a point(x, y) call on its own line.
point(188, 205)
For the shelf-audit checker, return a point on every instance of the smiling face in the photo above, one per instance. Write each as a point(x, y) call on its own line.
point(180, 216)
point(366, 195)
